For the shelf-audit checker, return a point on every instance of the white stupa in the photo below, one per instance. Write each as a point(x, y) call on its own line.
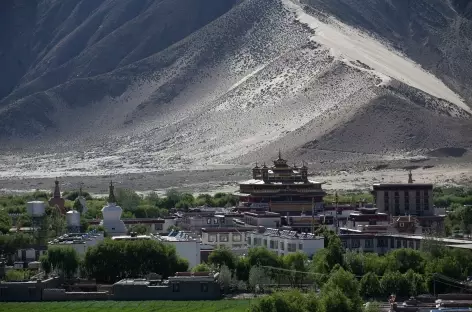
point(112, 216)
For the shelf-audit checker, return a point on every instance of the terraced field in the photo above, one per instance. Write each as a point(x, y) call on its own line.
point(128, 306)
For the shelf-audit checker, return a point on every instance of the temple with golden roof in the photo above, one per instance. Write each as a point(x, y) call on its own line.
point(281, 188)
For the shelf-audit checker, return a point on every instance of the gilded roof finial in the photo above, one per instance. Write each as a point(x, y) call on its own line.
point(280, 154)
point(410, 177)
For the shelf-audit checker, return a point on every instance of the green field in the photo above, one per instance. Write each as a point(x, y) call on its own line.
point(128, 306)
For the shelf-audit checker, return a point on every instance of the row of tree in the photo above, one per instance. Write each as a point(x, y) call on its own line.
point(405, 272)
point(113, 260)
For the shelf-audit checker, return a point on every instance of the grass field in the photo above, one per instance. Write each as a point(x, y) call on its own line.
point(128, 306)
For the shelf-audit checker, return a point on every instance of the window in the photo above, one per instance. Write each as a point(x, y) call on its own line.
point(236, 237)
point(399, 243)
point(291, 247)
point(212, 238)
point(300, 246)
point(355, 243)
point(224, 237)
point(175, 287)
point(344, 244)
point(271, 244)
point(248, 241)
point(204, 287)
point(404, 243)
point(223, 221)
point(215, 221)
point(369, 243)
point(392, 243)
point(417, 244)
point(158, 227)
point(282, 245)
point(276, 244)
point(265, 242)
point(411, 244)
point(208, 221)
point(402, 224)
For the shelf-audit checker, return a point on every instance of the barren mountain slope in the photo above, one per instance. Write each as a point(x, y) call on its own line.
point(116, 89)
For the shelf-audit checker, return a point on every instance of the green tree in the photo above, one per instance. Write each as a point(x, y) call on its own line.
point(405, 259)
point(45, 264)
point(417, 283)
point(64, 260)
point(335, 301)
point(258, 279)
point(395, 283)
point(5, 222)
point(24, 220)
point(128, 199)
point(139, 229)
point(242, 269)
point(202, 267)
point(297, 263)
point(260, 256)
point(370, 286)
point(222, 256)
point(113, 260)
point(347, 283)
point(335, 252)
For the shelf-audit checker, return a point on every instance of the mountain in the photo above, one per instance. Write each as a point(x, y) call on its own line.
point(154, 84)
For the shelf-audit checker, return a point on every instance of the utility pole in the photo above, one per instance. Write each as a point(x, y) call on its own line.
point(313, 215)
point(336, 212)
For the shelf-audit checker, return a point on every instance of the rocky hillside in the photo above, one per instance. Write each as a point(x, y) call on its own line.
point(150, 84)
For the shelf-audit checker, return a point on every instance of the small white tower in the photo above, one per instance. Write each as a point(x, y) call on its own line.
point(73, 221)
point(112, 216)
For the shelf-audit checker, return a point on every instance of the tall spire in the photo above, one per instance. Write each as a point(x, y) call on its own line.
point(111, 194)
point(410, 177)
point(280, 154)
point(57, 190)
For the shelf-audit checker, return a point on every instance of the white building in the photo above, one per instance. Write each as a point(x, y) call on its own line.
point(112, 222)
point(79, 241)
point(235, 237)
point(285, 241)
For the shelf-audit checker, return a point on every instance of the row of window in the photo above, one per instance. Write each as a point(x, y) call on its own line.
point(274, 244)
point(381, 243)
point(224, 237)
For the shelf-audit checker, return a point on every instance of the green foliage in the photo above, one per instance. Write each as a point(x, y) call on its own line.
point(17, 275)
point(9, 244)
point(242, 269)
point(5, 222)
point(335, 300)
point(222, 256)
point(297, 263)
point(45, 264)
point(113, 260)
point(63, 259)
point(202, 267)
point(370, 286)
point(347, 283)
point(395, 283)
point(261, 256)
point(139, 229)
point(405, 259)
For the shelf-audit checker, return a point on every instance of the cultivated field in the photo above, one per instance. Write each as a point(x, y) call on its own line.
point(128, 306)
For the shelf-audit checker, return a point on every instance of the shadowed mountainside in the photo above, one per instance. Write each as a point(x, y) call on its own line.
point(125, 85)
